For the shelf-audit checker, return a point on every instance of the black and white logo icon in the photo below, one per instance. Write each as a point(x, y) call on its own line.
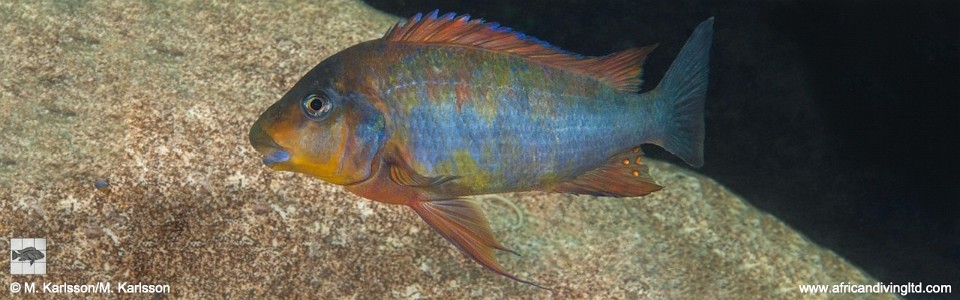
point(28, 256)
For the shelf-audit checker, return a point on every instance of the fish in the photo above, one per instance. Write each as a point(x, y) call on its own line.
point(28, 253)
point(443, 107)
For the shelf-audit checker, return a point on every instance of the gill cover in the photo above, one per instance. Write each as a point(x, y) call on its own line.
point(326, 133)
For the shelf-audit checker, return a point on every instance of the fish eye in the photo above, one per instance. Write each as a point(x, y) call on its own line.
point(315, 106)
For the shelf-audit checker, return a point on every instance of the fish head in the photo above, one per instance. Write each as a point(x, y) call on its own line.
point(320, 128)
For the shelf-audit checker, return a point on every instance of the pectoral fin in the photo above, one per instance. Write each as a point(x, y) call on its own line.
point(402, 174)
point(461, 222)
point(622, 176)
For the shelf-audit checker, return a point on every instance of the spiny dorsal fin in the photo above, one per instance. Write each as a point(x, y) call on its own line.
point(621, 70)
point(622, 176)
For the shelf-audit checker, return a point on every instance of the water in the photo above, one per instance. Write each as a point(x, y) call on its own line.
point(837, 117)
point(155, 98)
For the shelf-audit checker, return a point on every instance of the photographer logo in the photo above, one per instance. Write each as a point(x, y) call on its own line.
point(28, 256)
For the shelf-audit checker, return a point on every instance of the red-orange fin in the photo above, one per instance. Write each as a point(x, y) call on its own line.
point(622, 176)
point(461, 222)
point(403, 175)
point(621, 70)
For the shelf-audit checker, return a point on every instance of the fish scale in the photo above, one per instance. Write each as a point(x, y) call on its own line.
point(443, 107)
point(595, 118)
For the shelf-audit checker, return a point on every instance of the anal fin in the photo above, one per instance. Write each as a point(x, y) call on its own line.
point(623, 175)
point(462, 222)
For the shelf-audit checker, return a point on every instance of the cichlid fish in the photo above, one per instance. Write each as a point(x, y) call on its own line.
point(443, 107)
point(28, 253)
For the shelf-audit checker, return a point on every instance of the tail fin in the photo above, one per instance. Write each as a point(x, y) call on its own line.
point(684, 89)
point(14, 255)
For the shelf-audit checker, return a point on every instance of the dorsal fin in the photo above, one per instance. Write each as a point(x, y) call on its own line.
point(621, 70)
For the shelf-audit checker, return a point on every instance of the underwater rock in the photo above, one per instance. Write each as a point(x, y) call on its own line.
point(101, 184)
point(161, 95)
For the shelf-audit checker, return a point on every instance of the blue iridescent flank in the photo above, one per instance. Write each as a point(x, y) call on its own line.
point(503, 120)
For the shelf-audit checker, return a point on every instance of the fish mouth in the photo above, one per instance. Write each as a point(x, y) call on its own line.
point(278, 156)
point(273, 154)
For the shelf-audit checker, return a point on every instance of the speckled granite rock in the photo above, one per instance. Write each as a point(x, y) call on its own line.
point(157, 97)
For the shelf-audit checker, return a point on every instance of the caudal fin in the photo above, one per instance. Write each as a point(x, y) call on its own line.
point(14, 255)
point(684, 89)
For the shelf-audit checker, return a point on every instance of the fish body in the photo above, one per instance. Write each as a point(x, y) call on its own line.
point(499, 122)
point(445, 107)
point(29, 253)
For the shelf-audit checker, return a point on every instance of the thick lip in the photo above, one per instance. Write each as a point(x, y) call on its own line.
point(273, 153)
point(279, 159)
point(277, 156)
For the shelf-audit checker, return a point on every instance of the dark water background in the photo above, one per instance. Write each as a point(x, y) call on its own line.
point(838, 117)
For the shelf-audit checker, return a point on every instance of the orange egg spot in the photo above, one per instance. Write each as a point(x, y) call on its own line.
point(636, 173)
point(638, 159)
point(636, 149)
point(626, 161)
